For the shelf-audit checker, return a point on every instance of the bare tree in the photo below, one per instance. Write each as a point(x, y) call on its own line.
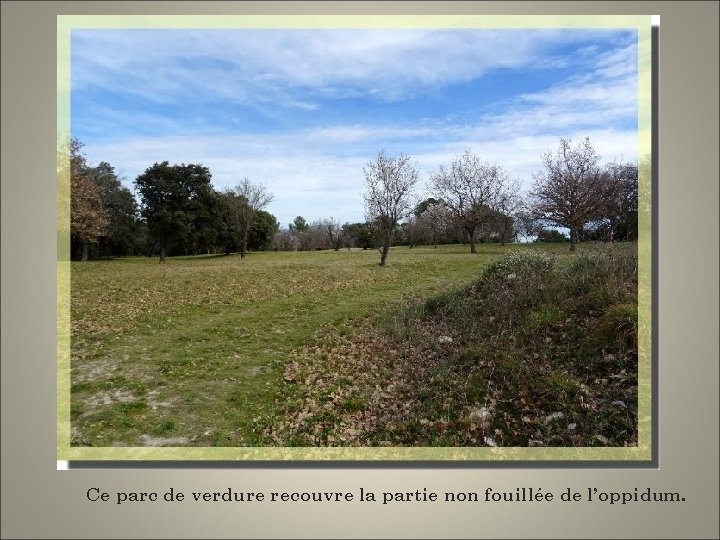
point(413, 231)
point(572, 191)
point(509, 205)
point(316, 237)
point(622, 210)
point(435, 220)
point(335, 233)
point(285, 240)
point(525, 223)
point(389, 182)
point(473, 190)
point(249, 198)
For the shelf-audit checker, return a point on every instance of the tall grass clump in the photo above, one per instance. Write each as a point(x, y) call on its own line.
point(515, 283)
point(603, 276)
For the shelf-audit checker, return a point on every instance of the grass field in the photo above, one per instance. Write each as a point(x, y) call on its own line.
point(191, 352)
point(200, 351)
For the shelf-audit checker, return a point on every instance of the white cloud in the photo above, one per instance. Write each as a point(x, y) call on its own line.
point(317, 172)
point(263, 66)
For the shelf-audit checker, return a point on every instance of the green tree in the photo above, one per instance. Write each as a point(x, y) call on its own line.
point(262, 231)
point(121, 210)
point(367, 236)
point(550, 236)
point(424, 205)
point(299, 224)
point(172, 196)
point(228, 228)
point(299, 236)
point(208, 224)
point(360, 235)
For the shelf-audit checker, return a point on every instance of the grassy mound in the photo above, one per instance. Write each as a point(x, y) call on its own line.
point(539, 351)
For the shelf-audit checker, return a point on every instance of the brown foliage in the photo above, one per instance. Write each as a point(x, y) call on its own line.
point(88, 218)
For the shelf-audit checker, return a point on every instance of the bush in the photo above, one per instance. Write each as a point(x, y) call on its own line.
point(604, 276)
point(550, 235)
point(516, 282)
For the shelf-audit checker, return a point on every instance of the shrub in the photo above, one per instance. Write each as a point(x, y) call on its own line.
point(604, 276)
point(516, 282)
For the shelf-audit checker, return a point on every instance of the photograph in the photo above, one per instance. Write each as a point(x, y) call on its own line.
point(360, 238)
point(359, 269)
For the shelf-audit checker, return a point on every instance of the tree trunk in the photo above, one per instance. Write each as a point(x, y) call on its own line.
point(243, 245)
point(85, 250)
point(387, 242)
point(384, 252)
point(162, 255)
point(573, 239)
point(471, 239)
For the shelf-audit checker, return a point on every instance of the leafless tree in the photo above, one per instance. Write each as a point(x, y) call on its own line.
point(572, 191)
point(316, 236)
point(435, 220)
point(473, 190)
point(622, 210)
point(285, 240)
point(506, 211)
point(335, 233)
point(249, 198)
point(413, 231)
point(525, 223)
point(389, 184)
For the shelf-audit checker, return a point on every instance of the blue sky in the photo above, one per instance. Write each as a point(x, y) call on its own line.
point(303, 110)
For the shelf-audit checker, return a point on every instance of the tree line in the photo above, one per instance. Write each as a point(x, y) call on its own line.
point(179, 212)
point(572, 191)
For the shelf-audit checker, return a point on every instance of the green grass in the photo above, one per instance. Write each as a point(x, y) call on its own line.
point(193, 352)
